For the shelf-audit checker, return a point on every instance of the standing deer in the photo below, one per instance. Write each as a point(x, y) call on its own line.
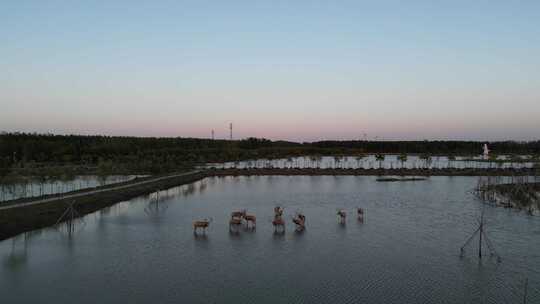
point(278, 211)
point(300, 221)
point(201, 224)
point(239, 214)
point(235, 222)
point(250, 218)
point(278, 222)
point(342, 216)
point(360, 213)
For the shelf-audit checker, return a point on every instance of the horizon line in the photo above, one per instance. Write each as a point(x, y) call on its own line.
point(35, 133)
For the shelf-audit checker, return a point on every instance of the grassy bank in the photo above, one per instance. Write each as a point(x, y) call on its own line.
point(29, 216)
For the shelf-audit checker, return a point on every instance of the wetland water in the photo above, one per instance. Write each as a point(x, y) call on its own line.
point(391, 161)
point(33, 187)
point(406, 251)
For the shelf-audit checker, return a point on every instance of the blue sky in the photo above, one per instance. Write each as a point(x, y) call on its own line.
point(298, 70)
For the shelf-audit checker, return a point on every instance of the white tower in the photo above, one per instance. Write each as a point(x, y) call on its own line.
point(486, 151)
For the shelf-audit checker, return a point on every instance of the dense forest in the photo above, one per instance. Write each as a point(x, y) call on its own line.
point(20, 151)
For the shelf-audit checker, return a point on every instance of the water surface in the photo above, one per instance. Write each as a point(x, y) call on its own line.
point(391, 161)
point(406, 251)
point(33, 186)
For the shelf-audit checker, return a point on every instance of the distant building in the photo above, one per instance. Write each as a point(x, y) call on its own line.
point(486, 151)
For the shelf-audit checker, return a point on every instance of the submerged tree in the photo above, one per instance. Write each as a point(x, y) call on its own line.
point(380, 158)
point(359, 159)
point(314, 161)
point(337, 161)
point(402, 158)
point(426, 159)
point(451, 160)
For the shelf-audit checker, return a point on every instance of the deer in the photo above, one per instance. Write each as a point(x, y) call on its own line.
point(250, 218)
point(235, 222)
point(203, 224)
point(342, 216)
point(278, 211)
point(278, 222)
point(239, 214)
point(360, 213)
point(300, 221)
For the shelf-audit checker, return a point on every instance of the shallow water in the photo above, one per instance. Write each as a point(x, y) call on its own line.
point(406, 251)
point(53, 186)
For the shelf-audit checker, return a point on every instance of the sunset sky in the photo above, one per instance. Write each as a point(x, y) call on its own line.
point(295, 70)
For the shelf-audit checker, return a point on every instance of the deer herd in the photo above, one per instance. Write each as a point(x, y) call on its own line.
point(239, 218)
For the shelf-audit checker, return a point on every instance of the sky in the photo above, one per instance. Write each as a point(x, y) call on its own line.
point(293, 70)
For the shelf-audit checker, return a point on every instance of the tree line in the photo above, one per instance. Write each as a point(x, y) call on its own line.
point(120, 154)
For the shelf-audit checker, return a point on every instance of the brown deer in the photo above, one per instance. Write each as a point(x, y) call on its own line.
point(300, 221)
point(342, 216)
point(278, 211)
point(201, 224)
point(278, 222)
point(235, 222)
point(250, 218)
point(239, 214)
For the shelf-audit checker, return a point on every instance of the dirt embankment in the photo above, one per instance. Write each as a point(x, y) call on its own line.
point(30, 216)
